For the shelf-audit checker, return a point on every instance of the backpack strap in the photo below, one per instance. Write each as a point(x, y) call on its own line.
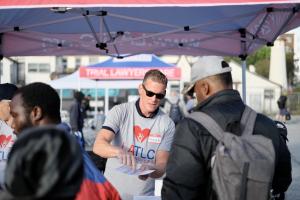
point(209, 123)
point(248, 121)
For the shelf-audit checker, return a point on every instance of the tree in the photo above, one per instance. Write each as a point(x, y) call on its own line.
point(261, 60)
point(263, 67)
point(290, 68)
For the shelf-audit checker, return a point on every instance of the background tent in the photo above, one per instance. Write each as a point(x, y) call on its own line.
point(125, 27)
point(73, 81)
point(126, 73)
point(133, 67)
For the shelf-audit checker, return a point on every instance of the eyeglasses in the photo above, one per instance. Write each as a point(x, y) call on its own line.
point(151, 94)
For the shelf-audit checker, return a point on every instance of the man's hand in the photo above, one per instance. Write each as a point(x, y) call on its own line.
point(143, 177)
point(127, 158)
point(147, 166)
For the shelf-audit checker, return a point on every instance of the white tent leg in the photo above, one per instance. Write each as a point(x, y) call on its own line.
point(106, 101)
point(96, 103)
point(61, 96)
point(244, 68)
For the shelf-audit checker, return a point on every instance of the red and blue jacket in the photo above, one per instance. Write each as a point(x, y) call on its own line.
point(94, 185)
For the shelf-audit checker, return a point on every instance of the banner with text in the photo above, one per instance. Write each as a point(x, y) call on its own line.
point(172, 73)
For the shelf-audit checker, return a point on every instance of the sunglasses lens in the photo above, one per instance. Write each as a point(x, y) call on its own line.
point(150, 94)
point(160, 96)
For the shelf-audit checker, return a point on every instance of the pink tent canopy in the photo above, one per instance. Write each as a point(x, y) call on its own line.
point(76, 3)
point(126, 27)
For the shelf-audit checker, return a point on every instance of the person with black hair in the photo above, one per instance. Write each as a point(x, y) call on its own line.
point(38, 104)
point(35, 104)
point(190, 166)
point(37, 167)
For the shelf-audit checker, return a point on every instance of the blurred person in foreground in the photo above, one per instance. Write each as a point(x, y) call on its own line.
point(38, 104)
point(45, 163)
point(137, 135)
point(7, 137)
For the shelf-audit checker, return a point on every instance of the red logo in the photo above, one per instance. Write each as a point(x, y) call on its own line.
point(4, 140)
point(140, 134)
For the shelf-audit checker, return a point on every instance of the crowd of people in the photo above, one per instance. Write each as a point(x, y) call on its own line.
point(43, 158)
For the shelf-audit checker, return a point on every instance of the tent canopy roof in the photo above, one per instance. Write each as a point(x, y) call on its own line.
point(142, 60)
point(122, 3)
point(73, 81)
point(127, 27)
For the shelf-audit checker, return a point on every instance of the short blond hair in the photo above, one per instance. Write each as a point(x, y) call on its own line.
point(157, 76)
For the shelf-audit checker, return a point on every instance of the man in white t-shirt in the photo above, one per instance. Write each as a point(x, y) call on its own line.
point(137, 134)
point(7, 137)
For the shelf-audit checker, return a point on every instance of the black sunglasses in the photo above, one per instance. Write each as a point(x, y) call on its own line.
point(151, 94)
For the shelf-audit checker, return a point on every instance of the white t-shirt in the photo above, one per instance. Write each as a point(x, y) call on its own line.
point(7, 138)
point(140, 135)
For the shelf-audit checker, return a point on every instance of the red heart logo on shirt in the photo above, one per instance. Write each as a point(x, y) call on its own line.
point(4, 140)
point(140, 134)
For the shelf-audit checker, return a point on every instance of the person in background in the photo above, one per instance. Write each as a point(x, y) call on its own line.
point(137, 135)
point(7, 137)
point(281, 102)
point(38, 104)
point(45, 163)
point(190, 102)
point(77, 115)
point(175, 107)
point(189, 169)
point(86, 105)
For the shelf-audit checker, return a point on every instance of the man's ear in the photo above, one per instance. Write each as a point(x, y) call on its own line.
point(205, 89)
point(36, 114)
point(140, 89)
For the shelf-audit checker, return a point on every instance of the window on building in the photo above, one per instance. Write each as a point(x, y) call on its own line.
point(269, 93)
point(77, 62)
point(64, 63)
point(39, 67)
point(44, 68)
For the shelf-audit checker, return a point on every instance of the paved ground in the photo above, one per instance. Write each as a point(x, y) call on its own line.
point(294, 146)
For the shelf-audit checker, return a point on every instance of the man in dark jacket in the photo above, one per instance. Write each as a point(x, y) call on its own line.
point(188, 174)
point(76, 112)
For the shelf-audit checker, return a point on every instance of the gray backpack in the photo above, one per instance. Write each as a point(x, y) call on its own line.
point(243, 166)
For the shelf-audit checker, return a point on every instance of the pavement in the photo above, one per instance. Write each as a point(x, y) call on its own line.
point(293, 127)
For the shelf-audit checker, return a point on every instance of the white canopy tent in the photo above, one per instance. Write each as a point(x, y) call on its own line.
point(73, 81)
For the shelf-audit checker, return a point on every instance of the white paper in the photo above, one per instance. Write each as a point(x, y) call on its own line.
point(139, 171)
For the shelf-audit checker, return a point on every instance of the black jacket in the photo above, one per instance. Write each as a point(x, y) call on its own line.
point(76, 116)
point(188, 174)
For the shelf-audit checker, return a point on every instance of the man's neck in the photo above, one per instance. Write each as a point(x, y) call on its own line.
point(142, 112)
point(47, 121)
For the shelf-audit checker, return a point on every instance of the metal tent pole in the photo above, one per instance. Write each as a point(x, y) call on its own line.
point(243, 57)
point(244, 82)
